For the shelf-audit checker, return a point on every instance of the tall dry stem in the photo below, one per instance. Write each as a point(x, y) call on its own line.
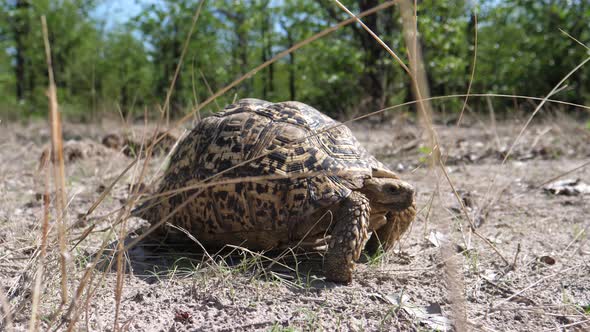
point(455, 286)
point(59, 175)
point(6, 318)
point(34, 323)
point(417, 73)
point(416, 69)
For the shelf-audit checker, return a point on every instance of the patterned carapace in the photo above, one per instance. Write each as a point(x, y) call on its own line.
point(263, 175)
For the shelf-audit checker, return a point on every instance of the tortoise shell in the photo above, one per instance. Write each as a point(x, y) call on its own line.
point(258, 172)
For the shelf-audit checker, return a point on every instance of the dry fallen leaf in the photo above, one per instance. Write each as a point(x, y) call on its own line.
point(568, 187)
point(430, 316)
point(436, 238)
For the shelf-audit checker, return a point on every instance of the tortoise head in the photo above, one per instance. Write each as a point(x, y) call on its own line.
point(386, 192)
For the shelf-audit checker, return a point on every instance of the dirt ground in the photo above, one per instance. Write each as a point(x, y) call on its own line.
point(524, 266)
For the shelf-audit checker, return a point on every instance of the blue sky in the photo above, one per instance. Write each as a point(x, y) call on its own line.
point(119, 11)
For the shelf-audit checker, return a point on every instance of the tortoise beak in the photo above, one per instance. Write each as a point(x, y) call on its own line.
point(402, 196)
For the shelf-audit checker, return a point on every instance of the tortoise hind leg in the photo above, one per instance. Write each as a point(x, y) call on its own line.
point(387, 235)
point(347, 237)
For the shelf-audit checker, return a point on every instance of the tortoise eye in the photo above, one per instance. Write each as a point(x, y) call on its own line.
point(393, 189)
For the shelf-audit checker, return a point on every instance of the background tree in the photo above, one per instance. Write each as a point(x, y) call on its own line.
point(128, 66)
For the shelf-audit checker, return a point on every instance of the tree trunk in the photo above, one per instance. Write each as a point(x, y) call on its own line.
point(373, 77)
point(292, 71)
point(20, 30)
point(263, 28)
point(175, 106)
point(243, 52)
point(270, 72)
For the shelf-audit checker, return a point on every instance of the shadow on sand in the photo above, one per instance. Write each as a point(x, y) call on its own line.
point(153, 260)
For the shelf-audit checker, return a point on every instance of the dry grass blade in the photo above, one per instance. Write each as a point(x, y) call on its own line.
point(197, 117)
point(456, 287)
point(575, 39)
point(33, 325)
point(471, 224)
point(120, 268)
point(577, 168)
point(166, 108)
point(418, 75)
point(6, 321)
point(557, 87)
point(59, 175)
point(379, 40)
point(564, 327)
point(87, 279)
point(89, 275)
point(485, 95)
point(209, 89)
point(278, 57)
point(531, 286)
point(104, 194)
point(416, 70)
point(194, 239)
point(257, 254)
point(73, 311)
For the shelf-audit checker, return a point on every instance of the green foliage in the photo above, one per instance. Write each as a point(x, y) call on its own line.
point(375, 258)
point(522, 50)
point(130, 67)
point(444, 28)
point(126, 75)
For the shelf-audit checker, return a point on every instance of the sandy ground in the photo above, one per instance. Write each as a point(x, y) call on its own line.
point(524, 267)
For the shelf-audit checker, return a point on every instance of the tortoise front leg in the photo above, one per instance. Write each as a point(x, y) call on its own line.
point(386, 236)
point(348, 237)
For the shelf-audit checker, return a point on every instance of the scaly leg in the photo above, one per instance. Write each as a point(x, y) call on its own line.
point(348, 237)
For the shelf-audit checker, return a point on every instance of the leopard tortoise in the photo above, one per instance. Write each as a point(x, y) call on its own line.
point(268, 175)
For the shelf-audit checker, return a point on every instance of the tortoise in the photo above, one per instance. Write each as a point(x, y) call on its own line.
point(267, 175)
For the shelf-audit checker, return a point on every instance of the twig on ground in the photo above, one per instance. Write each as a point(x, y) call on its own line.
point(513, 266)
point(562, 327)
point(499, 303)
